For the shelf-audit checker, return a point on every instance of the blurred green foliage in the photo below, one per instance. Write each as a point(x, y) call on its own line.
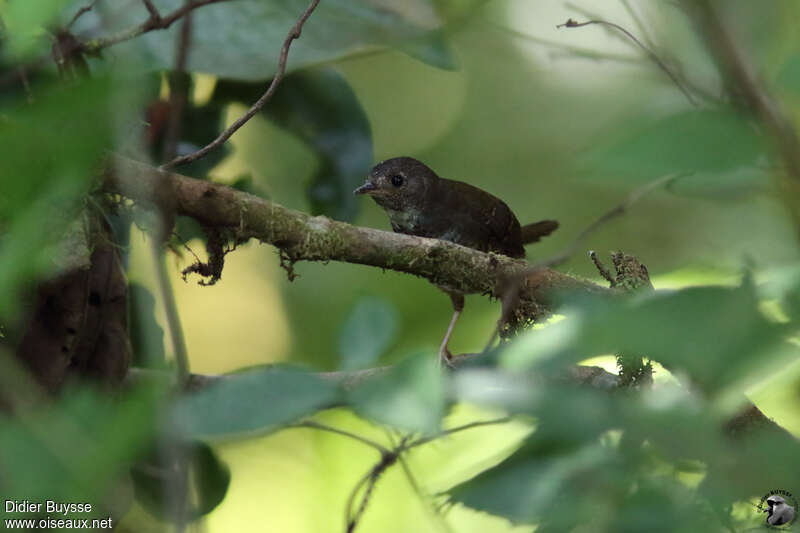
point(530, 120)
point(50, 154)
point(367, 332)
point(78, 450)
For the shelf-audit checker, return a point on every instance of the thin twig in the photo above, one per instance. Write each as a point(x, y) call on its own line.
point(639, 23)
point(85, 9)
point(620, 209)
point(148, 4)
point(575, 50)
point(604, 272)
point(432, 509)
point(512, 284)
point(294, 33)
point(316, 425)
point(171, 311)
point(152, 23)
point(351, 521)
point(478, 423)
point(178, 87)
point(663, 66)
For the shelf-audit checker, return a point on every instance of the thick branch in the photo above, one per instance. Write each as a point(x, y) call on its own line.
point(302, 237)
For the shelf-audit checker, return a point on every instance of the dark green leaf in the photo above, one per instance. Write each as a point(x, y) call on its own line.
point(198, 127)
point(367, 333)
point(243, 40)
point(157, 485)
point(410, 395)
point(254, 401)
point(320, 108)
point(434, 50)
point(532, 486)
point(716, 335)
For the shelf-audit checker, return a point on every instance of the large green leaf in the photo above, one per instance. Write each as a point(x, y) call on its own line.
point(156, 483)
point(717, 335)
point(241, 39)
point(366, 333)
point(321, 109)
point(699, 140)
point(410, 395)
point(258, 400)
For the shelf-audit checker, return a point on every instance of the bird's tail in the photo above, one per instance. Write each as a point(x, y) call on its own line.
point(534, 232)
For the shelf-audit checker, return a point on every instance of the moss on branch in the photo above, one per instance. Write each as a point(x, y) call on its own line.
point(302, 237)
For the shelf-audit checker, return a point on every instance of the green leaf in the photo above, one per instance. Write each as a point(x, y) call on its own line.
point(320, 108)
point(156, 484)
point(366, 333)
point(789, 74)
point(25, 25)
point(690, 141)
point(258, 400)
point(76, 448)
point(527, 486)
point(434, 50)
point(410, 395)
point(50, 153)
point(717, 335)
point(598, 455)
point(242, 40)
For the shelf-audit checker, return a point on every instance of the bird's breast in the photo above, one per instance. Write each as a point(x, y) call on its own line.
point(405, 221)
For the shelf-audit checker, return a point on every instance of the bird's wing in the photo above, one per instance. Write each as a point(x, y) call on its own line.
point(487, 215)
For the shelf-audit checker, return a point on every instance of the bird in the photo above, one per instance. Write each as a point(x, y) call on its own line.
point(419, 202)
point(778, 511)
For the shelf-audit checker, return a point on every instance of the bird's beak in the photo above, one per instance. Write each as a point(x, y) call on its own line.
point(366, 188)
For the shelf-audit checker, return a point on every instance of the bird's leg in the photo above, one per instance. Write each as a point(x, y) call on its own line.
point(458, 306)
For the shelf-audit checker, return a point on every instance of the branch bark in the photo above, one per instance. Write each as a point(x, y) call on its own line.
point(301, 237)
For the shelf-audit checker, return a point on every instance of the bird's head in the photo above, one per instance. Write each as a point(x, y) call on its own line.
point(399, 183)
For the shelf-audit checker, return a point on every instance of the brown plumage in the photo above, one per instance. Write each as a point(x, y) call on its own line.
point(419, 202)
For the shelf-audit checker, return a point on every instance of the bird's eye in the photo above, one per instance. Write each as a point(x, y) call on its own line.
point(397, 180)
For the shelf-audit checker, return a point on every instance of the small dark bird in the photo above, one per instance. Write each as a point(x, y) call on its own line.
point(421, 203)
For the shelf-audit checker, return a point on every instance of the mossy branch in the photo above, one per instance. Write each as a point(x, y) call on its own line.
point(302, 237)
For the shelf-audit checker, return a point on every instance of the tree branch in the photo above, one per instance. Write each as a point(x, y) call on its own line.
point(301, 237)
point(153, 22)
